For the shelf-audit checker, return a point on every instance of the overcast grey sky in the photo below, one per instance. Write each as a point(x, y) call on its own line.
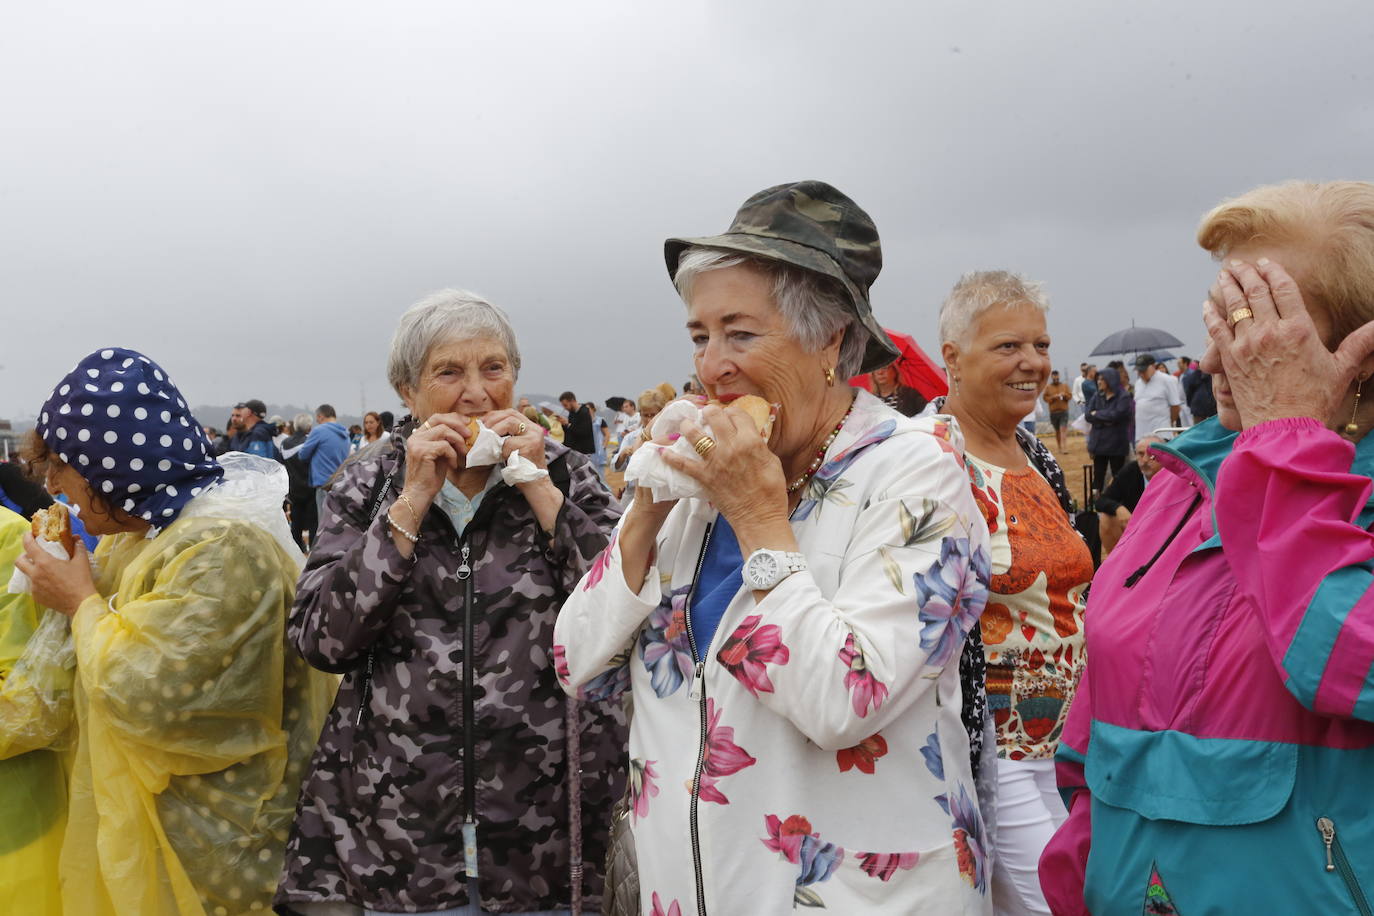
point(252, 193)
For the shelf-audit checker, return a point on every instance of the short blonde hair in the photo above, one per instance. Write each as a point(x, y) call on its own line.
point(1332, 220)
point(980, 290)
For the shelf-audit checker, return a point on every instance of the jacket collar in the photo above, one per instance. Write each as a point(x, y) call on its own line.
point(1198, 453)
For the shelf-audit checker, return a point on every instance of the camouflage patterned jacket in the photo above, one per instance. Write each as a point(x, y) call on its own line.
point(379, 823)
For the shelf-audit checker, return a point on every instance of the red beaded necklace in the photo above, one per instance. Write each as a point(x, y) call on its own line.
point(800, 482)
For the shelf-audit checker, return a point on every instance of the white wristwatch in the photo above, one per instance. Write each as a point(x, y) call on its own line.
point(766, 568)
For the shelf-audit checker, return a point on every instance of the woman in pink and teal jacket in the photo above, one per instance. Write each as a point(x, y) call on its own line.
point(1219, 754)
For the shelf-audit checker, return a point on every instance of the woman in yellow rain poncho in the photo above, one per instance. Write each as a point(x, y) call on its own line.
point(33, 720)
point(194, 720)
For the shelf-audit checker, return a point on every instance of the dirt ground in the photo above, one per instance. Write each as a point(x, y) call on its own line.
point(1072, 458)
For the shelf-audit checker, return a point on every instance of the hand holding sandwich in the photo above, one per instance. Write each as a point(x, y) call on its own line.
point(742, 478)
point(59, 583)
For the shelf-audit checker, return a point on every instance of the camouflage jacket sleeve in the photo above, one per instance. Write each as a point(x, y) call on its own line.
point(584, 524)
point(349, 589)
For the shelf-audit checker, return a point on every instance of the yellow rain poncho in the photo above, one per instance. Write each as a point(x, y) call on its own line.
point(35, 713)
point(195, 722)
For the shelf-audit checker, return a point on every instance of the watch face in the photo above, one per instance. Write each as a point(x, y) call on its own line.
point(763, 569)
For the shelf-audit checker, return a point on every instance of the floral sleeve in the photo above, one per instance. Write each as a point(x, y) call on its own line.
point(598, 625)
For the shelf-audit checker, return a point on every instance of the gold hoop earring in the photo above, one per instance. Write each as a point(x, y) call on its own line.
point(830, 376)
point(1352, 429)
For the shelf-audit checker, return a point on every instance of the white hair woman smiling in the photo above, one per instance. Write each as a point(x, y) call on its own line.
point(996, 348)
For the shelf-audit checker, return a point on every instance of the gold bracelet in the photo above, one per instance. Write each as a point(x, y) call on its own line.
point(413, 538)
point(411, 506)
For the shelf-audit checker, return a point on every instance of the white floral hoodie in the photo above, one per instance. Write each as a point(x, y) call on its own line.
point(812, 755)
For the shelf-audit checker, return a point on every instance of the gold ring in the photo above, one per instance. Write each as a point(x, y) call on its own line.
point(521, 430)
point(704, 445)
point(1241, 314)
point(424, 426)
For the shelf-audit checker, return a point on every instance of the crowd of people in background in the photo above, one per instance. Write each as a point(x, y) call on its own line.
point(869, 654)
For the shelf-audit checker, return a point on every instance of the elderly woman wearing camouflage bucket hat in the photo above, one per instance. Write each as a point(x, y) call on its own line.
point(194, 721)
point(792, 641)
point(442, 781)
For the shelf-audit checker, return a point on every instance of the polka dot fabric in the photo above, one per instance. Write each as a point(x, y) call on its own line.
point(121, 423)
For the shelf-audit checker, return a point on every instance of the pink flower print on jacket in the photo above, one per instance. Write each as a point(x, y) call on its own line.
point(816, 860)
point(722, 756)
point(883, 865)
point(865, 690)
point(863, 755)
point(952, 594)
point(658, 910)
point(748, 649)
point(603, 559)
point(642, 786)
point(663, 645)
point(560, 664)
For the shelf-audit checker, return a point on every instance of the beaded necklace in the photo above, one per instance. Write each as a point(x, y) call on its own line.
point(800, 482)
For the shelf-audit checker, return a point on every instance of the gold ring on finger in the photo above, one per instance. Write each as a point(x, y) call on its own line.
point(424, 426)
point(521, 430)
point(704, 445)
point(1241, 314)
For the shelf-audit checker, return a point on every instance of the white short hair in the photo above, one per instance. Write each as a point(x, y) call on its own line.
point(445, 315)
point(813, 306)
point(303, 423)
point(979, 291)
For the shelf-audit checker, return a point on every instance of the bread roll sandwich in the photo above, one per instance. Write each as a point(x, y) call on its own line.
point(759, 410)
point(55, 524)
point(471, 435)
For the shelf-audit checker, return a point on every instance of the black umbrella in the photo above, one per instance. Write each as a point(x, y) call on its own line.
point(1136, 340)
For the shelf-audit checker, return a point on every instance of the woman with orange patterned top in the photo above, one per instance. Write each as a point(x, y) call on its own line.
point(996, 348)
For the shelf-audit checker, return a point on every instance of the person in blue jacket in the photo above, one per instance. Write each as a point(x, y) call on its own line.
point(325, 448)
point(1109, 414)
point(249, 432)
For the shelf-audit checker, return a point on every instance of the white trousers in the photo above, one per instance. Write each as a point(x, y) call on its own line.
point(1029, 810)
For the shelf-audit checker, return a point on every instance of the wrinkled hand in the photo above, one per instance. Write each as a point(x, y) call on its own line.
point(61, 584)
point(529, 443)
point(436, 451)
point(741, 477)
point(1276, 364)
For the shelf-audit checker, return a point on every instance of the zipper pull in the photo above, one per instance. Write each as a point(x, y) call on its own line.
point(698, 679)
point(470, 848)
point(1328, 832)
point(464, 570)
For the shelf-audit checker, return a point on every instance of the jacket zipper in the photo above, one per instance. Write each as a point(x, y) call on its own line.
point(697, 692)
point(1136, 576)
point(469, 741)
point(1336, 861)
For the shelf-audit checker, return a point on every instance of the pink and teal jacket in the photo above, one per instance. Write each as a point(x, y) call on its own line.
point(1219, 754)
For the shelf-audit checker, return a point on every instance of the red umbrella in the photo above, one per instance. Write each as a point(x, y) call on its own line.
point(914, 369)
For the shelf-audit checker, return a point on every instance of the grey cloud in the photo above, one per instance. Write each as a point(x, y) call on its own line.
point(252, 195)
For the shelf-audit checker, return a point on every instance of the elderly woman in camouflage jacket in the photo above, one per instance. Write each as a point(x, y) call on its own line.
point(441, 778)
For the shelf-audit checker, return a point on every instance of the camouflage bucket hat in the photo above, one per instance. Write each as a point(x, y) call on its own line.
point(810, 225)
